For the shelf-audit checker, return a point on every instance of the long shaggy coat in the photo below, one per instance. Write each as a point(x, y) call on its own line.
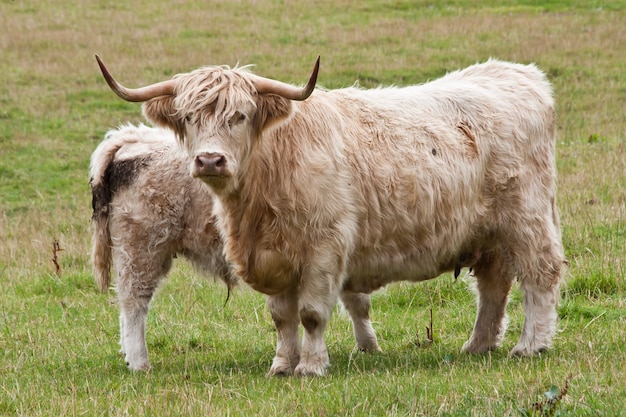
point(352, 189)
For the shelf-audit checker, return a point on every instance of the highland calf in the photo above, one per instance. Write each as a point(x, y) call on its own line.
point(319, 192)
point(146, 210)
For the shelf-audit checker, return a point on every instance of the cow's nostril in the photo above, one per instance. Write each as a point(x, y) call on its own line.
point(219, 162)
point(199, 162)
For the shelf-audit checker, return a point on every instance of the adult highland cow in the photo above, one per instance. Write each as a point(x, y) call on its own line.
point(351, 189)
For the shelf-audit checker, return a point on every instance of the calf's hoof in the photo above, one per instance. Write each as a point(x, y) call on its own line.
point(145, 366)
point(138, 364)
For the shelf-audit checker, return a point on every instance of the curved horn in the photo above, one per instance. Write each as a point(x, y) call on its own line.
point(164, 88)
point(288, 91)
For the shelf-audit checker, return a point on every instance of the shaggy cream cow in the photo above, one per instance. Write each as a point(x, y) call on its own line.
point(321, 191)
point(146, 210)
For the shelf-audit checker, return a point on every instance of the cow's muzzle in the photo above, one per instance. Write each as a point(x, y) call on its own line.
point(209, 165)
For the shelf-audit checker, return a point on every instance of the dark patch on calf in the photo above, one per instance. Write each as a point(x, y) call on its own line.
point(118, 175)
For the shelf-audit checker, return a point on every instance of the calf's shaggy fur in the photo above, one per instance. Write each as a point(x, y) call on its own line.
point(146, 210)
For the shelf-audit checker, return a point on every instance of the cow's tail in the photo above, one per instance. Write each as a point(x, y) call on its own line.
point(101, 244)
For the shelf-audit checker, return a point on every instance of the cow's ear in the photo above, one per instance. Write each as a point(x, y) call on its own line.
point(160, 111)
point(271, 109)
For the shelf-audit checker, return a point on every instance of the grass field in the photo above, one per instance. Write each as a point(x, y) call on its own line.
point(59, 336)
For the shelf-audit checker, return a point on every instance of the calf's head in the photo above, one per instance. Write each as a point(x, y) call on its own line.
point(218, 113)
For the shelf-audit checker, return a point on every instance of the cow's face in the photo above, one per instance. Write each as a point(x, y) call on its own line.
point(218, 113)
point(218, 122)
point(219, 144)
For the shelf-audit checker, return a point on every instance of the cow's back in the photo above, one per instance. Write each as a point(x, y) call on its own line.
point(435, 168)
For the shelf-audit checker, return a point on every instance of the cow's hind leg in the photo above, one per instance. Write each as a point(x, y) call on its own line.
point(540, 285)
point(540, 307)
point(534, 242)
point(493, 284)
point(138, 276)
point(358, 306)
point(284, 311)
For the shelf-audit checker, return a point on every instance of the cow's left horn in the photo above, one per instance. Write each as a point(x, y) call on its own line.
point(163, 88)
point(268, 86)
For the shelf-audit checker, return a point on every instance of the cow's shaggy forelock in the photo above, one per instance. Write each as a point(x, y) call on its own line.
point(205, 97)
point(212, 93)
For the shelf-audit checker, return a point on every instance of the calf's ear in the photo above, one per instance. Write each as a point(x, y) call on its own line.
point(271, 109)
point(160, 111)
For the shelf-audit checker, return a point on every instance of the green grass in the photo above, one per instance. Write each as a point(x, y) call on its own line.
point(59, 336)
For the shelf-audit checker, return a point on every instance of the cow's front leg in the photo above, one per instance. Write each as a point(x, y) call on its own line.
point(358, 306)
point(284, 310)
point(319, 290)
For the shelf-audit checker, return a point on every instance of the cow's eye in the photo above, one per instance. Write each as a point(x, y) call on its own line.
point(188, 118)
point(236, 118)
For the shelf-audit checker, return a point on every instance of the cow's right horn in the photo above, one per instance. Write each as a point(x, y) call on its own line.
point(269, 86)
point(163, 88)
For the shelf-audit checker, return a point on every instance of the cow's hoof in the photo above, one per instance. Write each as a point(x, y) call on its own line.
point(371, 348)
point(522, 350)
point(311, 369)
point(276, 371)
point(473, 347)
point(281, 367)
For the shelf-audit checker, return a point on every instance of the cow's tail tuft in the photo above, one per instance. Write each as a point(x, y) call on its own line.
point(101, 244)
point(101, 253)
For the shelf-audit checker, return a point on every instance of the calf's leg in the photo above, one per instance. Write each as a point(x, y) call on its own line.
point(139, 273)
